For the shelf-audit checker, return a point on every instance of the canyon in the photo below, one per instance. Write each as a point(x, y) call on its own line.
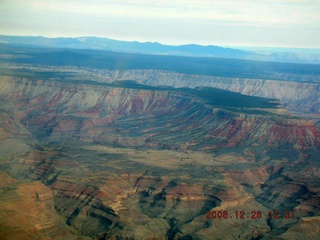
point(87, 154)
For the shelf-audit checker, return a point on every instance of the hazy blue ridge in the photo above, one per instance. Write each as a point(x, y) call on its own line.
point(193, 50)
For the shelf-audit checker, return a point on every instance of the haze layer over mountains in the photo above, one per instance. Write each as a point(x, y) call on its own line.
point(311, 56)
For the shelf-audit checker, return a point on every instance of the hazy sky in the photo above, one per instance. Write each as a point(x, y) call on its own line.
point(284, 23)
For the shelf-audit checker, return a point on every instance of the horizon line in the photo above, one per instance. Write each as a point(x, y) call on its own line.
point(236, 46)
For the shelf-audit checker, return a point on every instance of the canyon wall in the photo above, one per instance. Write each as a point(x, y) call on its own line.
point(134, 117)
point(301, 95)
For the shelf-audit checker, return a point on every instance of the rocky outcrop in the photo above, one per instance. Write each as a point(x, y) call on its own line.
point(27, 212)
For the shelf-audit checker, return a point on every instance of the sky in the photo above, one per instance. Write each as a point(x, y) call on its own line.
point(273, 23)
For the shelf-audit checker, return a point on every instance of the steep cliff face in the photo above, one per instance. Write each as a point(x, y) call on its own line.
point(300, 95)
point(52, 111)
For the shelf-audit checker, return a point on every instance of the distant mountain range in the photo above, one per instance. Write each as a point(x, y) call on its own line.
point(191, 50)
